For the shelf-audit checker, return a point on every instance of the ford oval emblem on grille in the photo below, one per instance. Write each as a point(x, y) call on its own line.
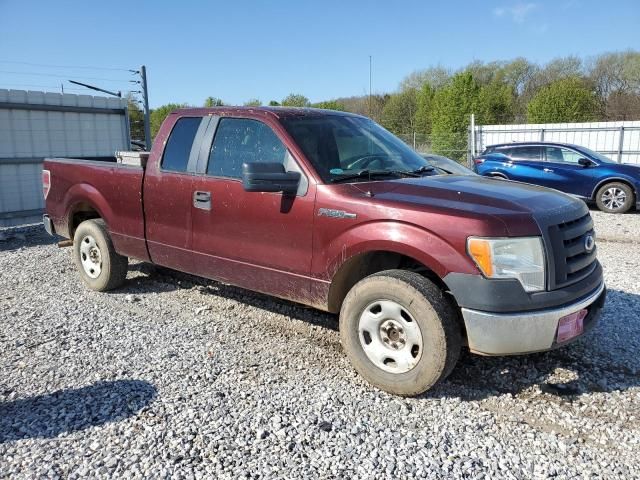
point(589, 243)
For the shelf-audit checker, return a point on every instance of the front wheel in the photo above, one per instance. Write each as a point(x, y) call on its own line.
point(615, 197)
point(400, 332)
point(100, 266)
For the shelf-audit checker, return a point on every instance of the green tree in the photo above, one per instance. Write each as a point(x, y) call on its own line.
point(136, 119)
point(295, 100)
point(330, 105)
point(496, 103)
point(436, 77)
point(159, 114)
point(398, 114)
point(452, 106)
point(213, 102)
point(253, 102)
point(424, 109)
point(565, 100)
point(274, 103)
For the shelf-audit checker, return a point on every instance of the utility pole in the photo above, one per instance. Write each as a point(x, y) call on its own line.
point(145, 104)
point(370, 82)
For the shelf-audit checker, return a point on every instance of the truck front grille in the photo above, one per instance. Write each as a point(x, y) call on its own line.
point(569, 249)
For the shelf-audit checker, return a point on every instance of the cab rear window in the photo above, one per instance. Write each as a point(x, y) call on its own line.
point(176, 153)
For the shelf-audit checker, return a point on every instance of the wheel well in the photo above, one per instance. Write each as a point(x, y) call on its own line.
point(81, 212)
point(500, 175)
point(613, 180)
point(365, 264)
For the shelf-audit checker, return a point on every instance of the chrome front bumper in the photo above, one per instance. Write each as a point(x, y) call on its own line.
point(525, 332)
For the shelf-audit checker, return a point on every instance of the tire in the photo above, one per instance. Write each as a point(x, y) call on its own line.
point(615, 197)
point(101, 268)
point(384, 309)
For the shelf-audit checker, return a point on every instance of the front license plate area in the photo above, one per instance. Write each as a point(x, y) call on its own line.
point(571, 326)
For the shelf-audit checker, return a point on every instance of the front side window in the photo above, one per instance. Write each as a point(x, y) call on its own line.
point(238, 141)
point(562, 155)
point(176, 153)
point(342, 146)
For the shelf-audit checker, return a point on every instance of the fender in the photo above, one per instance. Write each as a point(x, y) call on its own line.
point(622, 179)
point(85, 193)
point(422, 245)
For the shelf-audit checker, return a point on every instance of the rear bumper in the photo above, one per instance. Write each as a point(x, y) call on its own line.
point(491, 333)
point(48, 224)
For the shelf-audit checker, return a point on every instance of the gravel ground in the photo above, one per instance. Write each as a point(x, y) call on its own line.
point(173, 376)
point(620, 228)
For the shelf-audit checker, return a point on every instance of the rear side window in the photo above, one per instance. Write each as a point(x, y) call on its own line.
point(526, 153)
point(239, 141)
point(178, 148)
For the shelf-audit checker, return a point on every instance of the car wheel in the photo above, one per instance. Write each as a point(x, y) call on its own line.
point(400, 332)
point(615, 197)
point(101, 268)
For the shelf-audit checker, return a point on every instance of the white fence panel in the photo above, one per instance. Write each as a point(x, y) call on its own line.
point(35, 125)
point(620, 141)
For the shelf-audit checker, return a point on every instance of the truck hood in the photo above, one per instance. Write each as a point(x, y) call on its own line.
point(520, 206)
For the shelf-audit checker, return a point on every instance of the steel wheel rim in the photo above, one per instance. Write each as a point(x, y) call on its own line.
point(390, 336)
point(614, 198)
point(90, 256)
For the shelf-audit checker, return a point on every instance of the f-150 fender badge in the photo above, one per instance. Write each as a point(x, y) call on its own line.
point(328, 212)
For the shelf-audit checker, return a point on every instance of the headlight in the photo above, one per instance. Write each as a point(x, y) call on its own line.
point(520, 258)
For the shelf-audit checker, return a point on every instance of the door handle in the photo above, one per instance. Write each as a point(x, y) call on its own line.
point(202, 200)
point(547, 170)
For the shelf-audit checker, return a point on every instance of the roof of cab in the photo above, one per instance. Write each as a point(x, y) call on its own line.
point(277, 112)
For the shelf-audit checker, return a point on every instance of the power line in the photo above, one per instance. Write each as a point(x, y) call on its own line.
point(35, 74)
point(64, 66)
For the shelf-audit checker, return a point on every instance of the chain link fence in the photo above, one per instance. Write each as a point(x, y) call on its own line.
point(453, 145)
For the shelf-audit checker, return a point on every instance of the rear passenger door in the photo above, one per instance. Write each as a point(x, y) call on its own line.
point(167, 194)
point(526, 164)
point(256, 240)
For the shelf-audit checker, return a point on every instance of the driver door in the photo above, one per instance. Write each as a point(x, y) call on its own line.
point(563, 172)
point(256, 240)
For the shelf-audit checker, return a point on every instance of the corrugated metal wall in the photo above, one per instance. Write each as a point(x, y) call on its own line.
point(35, 125)
point(620, 141)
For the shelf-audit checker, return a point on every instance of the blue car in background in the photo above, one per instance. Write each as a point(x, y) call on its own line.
point(572, 169)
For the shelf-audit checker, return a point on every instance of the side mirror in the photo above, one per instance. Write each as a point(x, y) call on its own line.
point(585, 162)
point(269, 177)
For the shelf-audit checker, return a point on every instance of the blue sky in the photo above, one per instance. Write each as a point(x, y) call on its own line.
point(243, 49)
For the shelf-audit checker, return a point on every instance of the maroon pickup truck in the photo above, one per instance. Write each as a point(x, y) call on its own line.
point(330, 210)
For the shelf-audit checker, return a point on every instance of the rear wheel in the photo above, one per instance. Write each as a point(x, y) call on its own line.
point(615, 197)
point(400, 332)
point(101, 268)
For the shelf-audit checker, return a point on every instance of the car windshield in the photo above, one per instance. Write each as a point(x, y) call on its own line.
point(598, 156)
point(351, 148)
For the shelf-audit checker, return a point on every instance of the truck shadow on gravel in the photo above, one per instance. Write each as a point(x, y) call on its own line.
point(155, 279)
point(11, 239)
point(605, 360)
point(590, 361)
point(70, 410)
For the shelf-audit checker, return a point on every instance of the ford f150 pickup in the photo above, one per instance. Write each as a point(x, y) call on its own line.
point(330, 210)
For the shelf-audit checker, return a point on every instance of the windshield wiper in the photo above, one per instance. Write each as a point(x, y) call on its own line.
point(374, 173)
point(423, 169)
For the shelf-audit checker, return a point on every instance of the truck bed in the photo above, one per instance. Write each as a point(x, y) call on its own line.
point(115, 191)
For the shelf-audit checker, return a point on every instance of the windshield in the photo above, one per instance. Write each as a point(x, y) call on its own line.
point(598, 156)
point(341, 146)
